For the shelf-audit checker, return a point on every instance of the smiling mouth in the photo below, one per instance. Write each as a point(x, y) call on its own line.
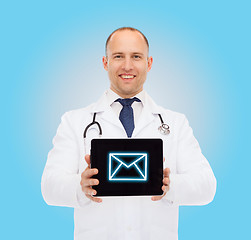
point(127, 76)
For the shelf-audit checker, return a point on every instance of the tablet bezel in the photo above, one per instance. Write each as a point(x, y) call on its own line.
point(100, 147)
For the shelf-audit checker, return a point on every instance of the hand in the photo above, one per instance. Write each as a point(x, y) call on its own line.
point(166, 184)
point(87, 181)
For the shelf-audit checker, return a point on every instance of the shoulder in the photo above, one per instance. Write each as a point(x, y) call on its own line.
point(173, 115)
point(79, 112)
point(78, 116)
point(85, 114)
point(175, 120)
point(168, 114)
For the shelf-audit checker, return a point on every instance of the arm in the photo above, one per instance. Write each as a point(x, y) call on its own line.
point(61, 178)
point(194, 182)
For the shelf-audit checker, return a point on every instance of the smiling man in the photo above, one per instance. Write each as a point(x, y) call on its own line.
point(126, 111)
point(127, 62)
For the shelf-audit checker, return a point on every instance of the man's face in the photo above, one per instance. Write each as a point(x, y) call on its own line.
point(127, 62)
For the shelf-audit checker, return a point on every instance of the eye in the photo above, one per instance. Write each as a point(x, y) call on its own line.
point(137, 56)
point(118, 56)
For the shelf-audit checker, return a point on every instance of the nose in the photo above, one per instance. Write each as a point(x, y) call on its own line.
point(127, 64)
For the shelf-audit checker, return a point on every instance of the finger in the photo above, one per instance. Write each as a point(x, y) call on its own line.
point(89, 191)
point(88, 159)
point(166, 172)
point(164, 159)
point(98, 200)
point(93, 182)
point(88, 173)
point(165, 189)
point(166, 181)
point(156, 198)
point(94, 199)
point(89, 182)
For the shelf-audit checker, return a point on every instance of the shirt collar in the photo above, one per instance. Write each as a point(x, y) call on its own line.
point(109, 97)
point(112, 96)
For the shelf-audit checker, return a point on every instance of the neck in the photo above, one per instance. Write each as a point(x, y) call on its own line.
point(124, 95)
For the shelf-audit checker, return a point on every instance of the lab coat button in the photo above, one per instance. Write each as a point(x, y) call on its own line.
point(129, 228)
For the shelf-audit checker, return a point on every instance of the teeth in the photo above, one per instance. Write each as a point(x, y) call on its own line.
point(127, 76)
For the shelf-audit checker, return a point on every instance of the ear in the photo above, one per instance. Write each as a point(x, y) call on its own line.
point(149, 63)
point(105, 63)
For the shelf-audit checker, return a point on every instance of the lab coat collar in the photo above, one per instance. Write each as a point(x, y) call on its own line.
point(149, 111)
point(103, 104)
point(151, 106)
point(112, 96)
point(148, 114)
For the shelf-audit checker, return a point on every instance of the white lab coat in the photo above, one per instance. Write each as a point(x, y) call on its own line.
point(192, 180)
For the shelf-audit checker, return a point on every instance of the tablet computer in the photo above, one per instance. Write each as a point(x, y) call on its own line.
point(128, 167)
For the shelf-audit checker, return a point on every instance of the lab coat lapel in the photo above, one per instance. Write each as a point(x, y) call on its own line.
point(106, 112)
point(109, 116)
point(145, 118)
point(148, 114)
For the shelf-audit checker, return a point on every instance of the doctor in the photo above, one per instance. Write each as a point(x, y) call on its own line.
point(67, 179)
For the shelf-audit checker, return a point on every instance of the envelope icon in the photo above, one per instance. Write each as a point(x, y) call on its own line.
point(127, 166)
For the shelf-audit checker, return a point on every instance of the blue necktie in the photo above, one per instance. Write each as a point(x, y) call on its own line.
point(126, 114)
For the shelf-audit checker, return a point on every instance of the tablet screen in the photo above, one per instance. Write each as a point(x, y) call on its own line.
point(128, 167)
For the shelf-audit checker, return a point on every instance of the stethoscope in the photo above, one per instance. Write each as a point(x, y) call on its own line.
point(163, 128)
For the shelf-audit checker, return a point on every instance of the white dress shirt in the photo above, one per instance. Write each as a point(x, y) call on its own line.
point(117, 107)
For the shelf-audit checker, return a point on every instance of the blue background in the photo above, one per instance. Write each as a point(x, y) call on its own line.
point(51, 54)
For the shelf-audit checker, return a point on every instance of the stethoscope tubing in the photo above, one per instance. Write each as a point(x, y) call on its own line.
point(93, 123)
point(163, 128)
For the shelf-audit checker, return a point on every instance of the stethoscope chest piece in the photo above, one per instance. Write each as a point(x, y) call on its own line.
point(164, 129)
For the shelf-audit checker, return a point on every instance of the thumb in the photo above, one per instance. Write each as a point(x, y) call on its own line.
point(88, 159)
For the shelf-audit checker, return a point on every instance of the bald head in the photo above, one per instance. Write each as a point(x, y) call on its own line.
point(125, 29)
